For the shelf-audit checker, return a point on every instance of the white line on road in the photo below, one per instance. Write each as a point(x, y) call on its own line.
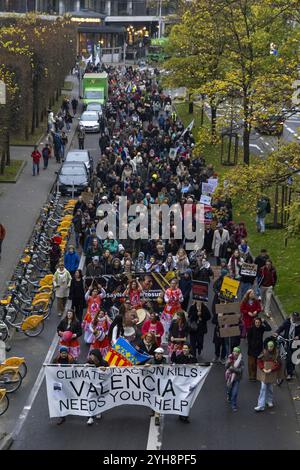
point(256, 146)
point(37, 384)
point(290, 130)
point(155, 434)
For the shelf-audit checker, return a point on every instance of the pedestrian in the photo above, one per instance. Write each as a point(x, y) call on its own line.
point(173, 298)
point(36, 156)
point(147, 343)
point(250, 307)
point(74, 104)
point(290, 330)
point(158, 359)
point(198, 316)
point(178, 333)
point(77, 294)
point(68, 121)
point(268, 279)
point(54, 255)
point(185, 285)
point(268, 367)
point(57, 144)
point(71, 260)
point(61, 282)
point(255, 345)
point(262, 209)
point(95, 359)
point(64, 142)
point(78, 226)
point(46, 154)
point(69, 330)
point(220, 239)
point(81, 137)
point(234, 369)
point(155, 326)
point(2, 236)
point(63, 358)
point(99, 328)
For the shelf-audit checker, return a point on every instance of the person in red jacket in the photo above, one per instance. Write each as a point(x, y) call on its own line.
point(250, 307)
point(36, 156)
point(153, 325)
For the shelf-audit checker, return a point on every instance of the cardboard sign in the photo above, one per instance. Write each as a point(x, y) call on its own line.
point(248, 269)
point(232, 307)
point(228, 332)
point(200, 290)
point(229, 288)
point(207, 188)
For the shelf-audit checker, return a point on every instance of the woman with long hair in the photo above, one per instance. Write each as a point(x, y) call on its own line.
point(250, 307)
point(116, 329)
point(69, 330)
point(134, 291)
point(178, 333)
point(77, 295)
point(173, 298)
point(99, 327)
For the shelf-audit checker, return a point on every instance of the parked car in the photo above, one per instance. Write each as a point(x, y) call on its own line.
point(73, 177)
point(82, 156)
point(90, 121)
point(95, 107)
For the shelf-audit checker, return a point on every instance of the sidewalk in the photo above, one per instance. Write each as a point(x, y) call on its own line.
point(20, 203)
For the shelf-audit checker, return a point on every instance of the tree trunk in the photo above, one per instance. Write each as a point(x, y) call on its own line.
point(7, 148)
point(2, 163)
point(246, 145)
point(213, 120)
point(276, 199)
point(26, 130)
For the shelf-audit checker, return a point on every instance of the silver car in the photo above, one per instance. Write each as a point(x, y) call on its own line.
point(89, 120)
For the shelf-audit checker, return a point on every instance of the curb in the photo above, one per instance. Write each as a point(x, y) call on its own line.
point(24, 163)
point(6, 441)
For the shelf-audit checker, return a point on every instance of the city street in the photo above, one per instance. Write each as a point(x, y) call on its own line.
point(213, 425)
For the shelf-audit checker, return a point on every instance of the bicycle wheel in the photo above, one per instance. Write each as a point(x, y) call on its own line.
point(23, 370)
point(36, 331)
point(11, 381)
point(4, 404)
point(4, 333)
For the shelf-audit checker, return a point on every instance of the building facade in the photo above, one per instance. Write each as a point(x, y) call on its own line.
point(105, 24)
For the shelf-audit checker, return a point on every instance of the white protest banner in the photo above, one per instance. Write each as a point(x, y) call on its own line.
point(188, 128)
point(248, 269)
point(87, 391)
point(205, 200)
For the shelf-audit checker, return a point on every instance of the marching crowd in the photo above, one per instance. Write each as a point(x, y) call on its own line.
point(148, 156)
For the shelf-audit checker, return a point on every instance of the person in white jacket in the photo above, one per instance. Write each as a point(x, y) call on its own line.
point(221, 236)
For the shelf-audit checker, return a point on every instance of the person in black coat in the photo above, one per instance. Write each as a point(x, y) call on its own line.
point(208, 239)
point(198, 316)
point(255, 345)
point(77, 294)
point(185, 285)
point(290, 329)
point(147, 344)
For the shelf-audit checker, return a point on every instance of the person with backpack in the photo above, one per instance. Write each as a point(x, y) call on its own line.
point(263, 208)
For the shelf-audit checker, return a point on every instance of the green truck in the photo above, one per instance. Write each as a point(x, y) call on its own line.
point(94, 88)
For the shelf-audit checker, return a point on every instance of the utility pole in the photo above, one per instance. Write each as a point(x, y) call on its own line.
point(160, 20)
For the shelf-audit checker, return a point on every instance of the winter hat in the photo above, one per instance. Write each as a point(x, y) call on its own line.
point(237, 349)
point(63, 349)
point(159, 350)
point(270, 344)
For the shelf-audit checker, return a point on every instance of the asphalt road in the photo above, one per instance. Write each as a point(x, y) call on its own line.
point(213, 424)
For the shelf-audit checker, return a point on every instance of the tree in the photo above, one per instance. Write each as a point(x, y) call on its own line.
point(197, 44)
point(236, 36)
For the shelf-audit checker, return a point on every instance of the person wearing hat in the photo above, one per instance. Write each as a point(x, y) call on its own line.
point(95, 359)
point(63, 357)
point(94, 271)
point(234, 369)
point(158, 359)
point(268, 368)
point(290, 329)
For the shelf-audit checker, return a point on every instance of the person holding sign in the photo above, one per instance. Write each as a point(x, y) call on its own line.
point(158, 359)
point(268, 366)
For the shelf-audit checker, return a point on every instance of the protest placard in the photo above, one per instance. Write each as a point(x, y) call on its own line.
point(229, 319)
point(205, 200)
point(200, 290)
point(229, 288)
point(248, 269)
point(207, 188)
point(87, 391)
point(213, 182)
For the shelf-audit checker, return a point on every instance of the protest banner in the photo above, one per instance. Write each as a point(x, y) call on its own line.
point(229, 288)
point(200, 290)
point(207, 188)
point(248, 269)
point(86, 391)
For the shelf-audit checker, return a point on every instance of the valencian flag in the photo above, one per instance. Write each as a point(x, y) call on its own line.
point(123, 353)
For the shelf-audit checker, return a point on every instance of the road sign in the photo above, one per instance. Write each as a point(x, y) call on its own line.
point(2, 93)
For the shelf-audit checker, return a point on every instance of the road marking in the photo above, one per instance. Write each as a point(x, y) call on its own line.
point(290, 130)
point(256, 146)
point(155, 434)
point(39, 380)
